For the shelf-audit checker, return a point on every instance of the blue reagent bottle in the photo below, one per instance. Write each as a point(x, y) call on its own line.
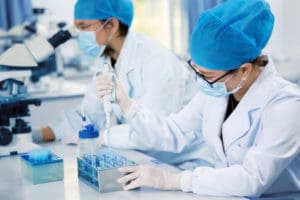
point(88, 143)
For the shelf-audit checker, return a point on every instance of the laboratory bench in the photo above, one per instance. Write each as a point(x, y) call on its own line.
point(13, 186)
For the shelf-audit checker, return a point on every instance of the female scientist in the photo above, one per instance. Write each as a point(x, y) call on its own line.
point(246, 113)
point(148, 72)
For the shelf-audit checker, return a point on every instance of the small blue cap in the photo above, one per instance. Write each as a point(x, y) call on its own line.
point(39, 155)
point(104, 9)
point(88, 132)
point(231, 34)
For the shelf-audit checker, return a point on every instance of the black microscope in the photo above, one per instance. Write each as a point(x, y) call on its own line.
point(14, 108)
point(28, 59)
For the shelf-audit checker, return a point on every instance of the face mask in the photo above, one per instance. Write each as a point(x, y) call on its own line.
point(218, 89)
point(88, 44)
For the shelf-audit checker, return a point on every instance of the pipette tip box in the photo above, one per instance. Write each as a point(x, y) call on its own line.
point(47, 169)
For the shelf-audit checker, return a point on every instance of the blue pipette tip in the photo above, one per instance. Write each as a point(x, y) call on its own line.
point(39, 155)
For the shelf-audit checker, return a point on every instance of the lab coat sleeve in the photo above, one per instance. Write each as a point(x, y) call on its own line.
point(70, 122)
point(276, 146)
point(173, 133)
point(167, 83)
point(168, 86)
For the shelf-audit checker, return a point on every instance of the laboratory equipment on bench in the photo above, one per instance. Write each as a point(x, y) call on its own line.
point(104, 175)
point(16, 64)
point(42, 166)
point(34, 50)
point(15, 139)
point(88, 142)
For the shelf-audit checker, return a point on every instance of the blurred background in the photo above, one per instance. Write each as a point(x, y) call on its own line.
point(169, 21)
point(64, 76)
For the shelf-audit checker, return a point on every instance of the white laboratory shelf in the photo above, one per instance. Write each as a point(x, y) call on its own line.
point(58, 97)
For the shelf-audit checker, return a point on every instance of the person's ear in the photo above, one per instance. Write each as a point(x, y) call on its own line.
point(245, 70)
point(114, 25)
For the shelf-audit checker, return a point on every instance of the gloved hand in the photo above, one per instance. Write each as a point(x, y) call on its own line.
point(104, 86)
point(145, 175)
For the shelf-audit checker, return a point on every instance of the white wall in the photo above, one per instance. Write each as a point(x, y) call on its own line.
point(57, 10)
point(61, 9)
point(286, 36)
point(284, 45)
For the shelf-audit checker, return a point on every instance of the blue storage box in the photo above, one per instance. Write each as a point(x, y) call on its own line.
point(47, 169)
point(101, 171)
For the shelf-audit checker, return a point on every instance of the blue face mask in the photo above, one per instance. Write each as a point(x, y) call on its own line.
point(218, 89)
point(88, 44)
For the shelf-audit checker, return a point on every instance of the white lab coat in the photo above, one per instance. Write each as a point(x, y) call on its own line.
point(261, 139)
point(152, 76)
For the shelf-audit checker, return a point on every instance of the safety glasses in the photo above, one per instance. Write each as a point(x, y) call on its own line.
point(89, 27)
point(194, 67)
point(92, 27)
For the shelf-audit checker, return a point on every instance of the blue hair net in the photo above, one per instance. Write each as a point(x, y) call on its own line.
point(104, 9)
point(231, 34)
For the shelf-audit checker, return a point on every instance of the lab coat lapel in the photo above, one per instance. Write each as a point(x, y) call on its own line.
point(213, 116)
point(126, 63)
point(239, 122)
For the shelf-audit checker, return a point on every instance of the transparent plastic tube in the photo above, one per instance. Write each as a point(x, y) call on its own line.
point(110, 98)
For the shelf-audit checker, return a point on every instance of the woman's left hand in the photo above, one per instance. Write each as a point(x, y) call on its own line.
point(145, 175)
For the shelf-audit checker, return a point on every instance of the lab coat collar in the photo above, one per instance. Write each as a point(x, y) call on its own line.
point(125, 59)
point(245, 114)
point(128, 62)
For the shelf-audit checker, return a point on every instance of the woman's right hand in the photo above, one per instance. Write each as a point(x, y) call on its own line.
point(104, 86)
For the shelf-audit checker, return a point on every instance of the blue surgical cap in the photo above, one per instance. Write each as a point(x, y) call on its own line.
point(231, 34)
point(104, 9)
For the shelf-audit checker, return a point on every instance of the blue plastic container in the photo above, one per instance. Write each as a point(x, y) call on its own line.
point(40, 166)
point(102, 175)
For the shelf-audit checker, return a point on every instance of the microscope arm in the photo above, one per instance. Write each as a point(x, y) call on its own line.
point(34, 50)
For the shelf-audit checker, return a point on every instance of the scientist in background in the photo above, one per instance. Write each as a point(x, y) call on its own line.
point(246, 112)
point(148, 72)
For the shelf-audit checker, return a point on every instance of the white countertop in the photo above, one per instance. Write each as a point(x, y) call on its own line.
point(14, 187)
